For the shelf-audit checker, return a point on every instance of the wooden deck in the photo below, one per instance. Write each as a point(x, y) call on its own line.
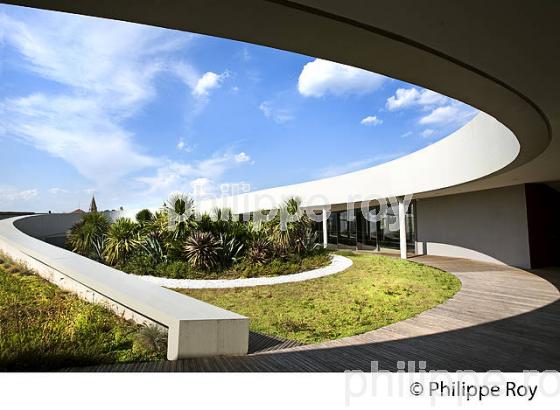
point(502, 318)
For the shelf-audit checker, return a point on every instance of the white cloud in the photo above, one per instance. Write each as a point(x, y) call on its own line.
point(409, 97)
point(106, 70)
point(406, 134)
point(278, 115)
point(8, 195)
point(443, 111)
point(182, 145)
point(206, 188)
point(242, 157)
point(176, 176)
point(57, 191)
point(78, 131)
point(202, 188)
point(456, 114)
point(321, 77)
point(371, 120)
point(208, 82)
point(428, 132)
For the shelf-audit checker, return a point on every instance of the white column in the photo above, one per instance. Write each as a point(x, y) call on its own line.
point(325, 236)
point(402, 227)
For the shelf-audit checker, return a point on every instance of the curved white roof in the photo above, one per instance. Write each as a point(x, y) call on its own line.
point(481, 147)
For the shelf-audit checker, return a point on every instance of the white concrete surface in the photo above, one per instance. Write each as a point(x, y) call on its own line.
point(338, 264)
point(195, 328)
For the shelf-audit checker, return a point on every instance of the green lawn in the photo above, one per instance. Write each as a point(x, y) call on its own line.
point(374, 292)
point(44, 328)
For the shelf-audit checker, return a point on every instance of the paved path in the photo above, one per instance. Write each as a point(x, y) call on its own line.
point(502, 318)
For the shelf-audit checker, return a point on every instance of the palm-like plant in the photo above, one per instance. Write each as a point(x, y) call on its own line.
point(230, 251)
point(201, 250)
point(289, 235)
point(260, 251)
point(144, 216)
point(305, 242)
point(181, 212)
point(86, 236)
point(99, 247)
point(122, 239)
point(151, 338)
point(153, 246)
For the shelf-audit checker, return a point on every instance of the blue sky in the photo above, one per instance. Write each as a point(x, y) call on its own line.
point(134, 112)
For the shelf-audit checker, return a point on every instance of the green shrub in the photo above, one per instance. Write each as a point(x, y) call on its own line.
point(217, 244)
point(201, 250)
point(279, 266)
point(138, 263)
point(181, 209)
point(153, 246)
point(344, 252)
point(175, 270)
point(231, 250)
point(144, 216)
point(150, 339)
point(260, 252)
point(87, 236)
point(122, 239)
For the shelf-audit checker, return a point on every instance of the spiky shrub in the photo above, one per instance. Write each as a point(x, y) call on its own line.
point(144, 216)
point(151, 338)
point(122, 240)
point(205, 224)
point(99, 247)
point(181, 212)
point(288, 229)
point(152, 246)
point(231, 250)
point(159, 223)
point(86, 237)
point(305, 241)
point(261, 251)
point(201, 250)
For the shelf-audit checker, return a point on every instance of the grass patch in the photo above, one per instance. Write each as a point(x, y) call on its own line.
point(45, 328)
point(376, 291)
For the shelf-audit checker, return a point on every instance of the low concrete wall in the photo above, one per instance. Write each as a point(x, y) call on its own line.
point(50, 228)
point(42, 226)
point(6, 215)
point(489, 226)
point(195, 328)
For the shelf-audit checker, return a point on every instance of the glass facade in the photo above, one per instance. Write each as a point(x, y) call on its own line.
point(351, 228)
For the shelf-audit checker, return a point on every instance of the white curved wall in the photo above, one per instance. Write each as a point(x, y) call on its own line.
point(489, 225)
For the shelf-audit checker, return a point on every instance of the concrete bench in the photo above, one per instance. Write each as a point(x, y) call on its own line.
point(195, 328)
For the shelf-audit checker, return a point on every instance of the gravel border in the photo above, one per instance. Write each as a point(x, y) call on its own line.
point(338, 264)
